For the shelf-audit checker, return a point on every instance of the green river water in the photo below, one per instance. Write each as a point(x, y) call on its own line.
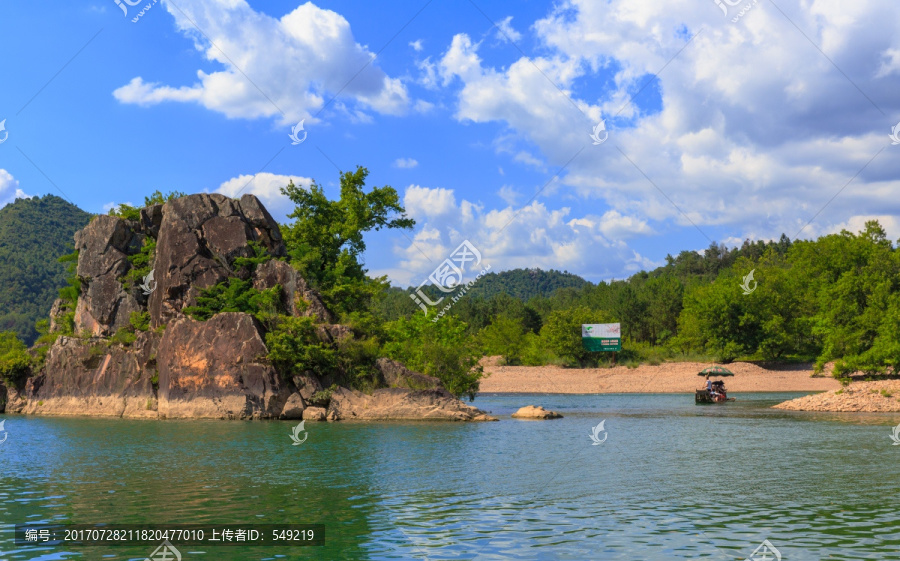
point(671, 481)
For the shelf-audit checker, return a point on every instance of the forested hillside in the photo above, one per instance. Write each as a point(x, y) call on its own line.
point(525, 284)
point(832, 299)
point(34, 233)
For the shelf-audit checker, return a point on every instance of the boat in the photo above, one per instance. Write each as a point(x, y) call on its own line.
point(718, 393)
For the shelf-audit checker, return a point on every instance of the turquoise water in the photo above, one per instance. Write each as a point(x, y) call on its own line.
point(672, 481)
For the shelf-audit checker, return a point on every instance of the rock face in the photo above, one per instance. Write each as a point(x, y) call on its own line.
point(535, 412)
point(307, 385)
point(314, 414)
point(294, 407)
point(93, 378)
point(398, 376)
point(104, 246)
point(199, 238)
point(183, 368)
point(297, 298)
point(396, 404)
point(216, 369)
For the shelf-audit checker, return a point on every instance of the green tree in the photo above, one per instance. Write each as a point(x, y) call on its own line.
point(325, 241)
point(437, 348)
point(295, 348)
point(14, 358)
point(128, 212)
point(237, 295)
point(158, 198)
point(562, 333)
point(505, 336)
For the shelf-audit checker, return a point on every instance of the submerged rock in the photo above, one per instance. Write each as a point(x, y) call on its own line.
point(535, 412)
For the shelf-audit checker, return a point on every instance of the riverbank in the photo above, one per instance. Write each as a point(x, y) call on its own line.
point(672, 377)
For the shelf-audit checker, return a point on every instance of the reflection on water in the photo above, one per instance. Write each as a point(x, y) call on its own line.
point(672, 481)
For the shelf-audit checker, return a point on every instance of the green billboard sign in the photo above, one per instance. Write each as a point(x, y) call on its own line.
point(601, 337)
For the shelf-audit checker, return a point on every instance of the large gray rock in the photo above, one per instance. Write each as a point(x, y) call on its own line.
point(307, 385)
point(104, 307)
point(104, 246)
point(396, 375)
point(314, 414)
point(89, 377)
point(213, 369)
point(199, 238)
point(397, 404)
point(294, 407)
point(218, 369)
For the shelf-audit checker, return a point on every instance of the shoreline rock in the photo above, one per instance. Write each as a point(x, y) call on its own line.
point(535, 413)
point(398, 404)
point(89, 377)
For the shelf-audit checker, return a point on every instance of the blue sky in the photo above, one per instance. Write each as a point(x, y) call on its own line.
point(721, 126)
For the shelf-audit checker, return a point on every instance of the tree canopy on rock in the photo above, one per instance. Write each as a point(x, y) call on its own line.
point(326, 242)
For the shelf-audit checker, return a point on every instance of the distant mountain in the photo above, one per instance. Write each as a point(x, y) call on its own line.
point(34, 233)
point(525, 284)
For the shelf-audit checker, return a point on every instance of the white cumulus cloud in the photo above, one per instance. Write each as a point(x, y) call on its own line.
point(755, 130)
point(9, 188)
point(514, 237)
point(266, 186)
point(287, 68)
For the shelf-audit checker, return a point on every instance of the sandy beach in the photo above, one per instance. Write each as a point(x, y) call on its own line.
point(673, 377)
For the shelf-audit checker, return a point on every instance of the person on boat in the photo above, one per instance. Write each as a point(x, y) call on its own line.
point(708, 385)
point(718, 392)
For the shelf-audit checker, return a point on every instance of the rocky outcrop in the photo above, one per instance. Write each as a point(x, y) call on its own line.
point(396, 404)
point(307, 385)
point(396, 375)
point(535, 413)
point(199, 238)
point(218, 369)
point(184, 368)
point(15, 400)
point(104, 246)
point(91, 377)
point(56, 312)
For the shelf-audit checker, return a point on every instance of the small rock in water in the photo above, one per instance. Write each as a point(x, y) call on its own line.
point(535, 412)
